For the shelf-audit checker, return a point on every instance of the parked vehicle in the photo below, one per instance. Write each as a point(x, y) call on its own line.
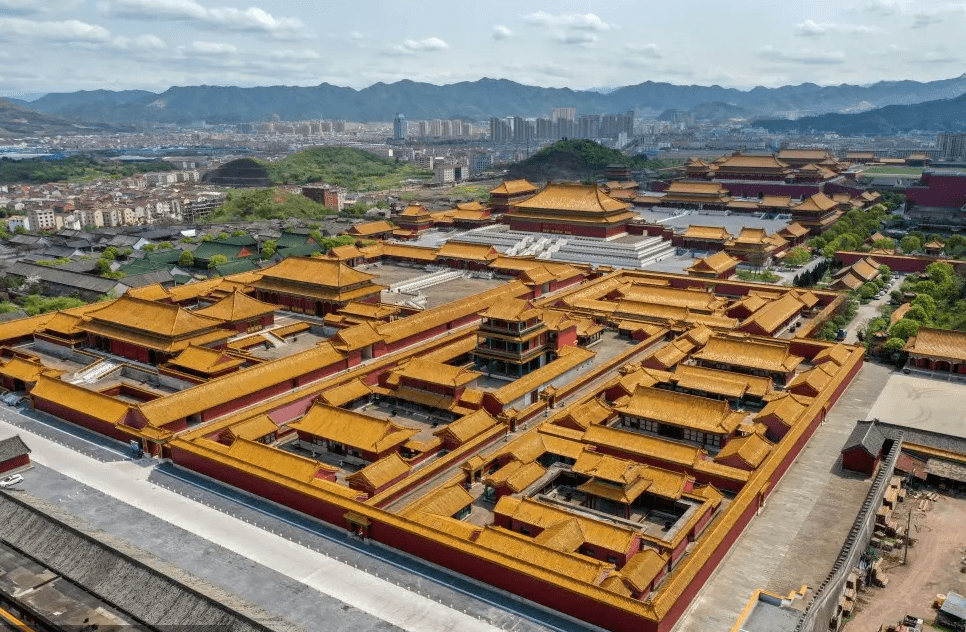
point(10, 481)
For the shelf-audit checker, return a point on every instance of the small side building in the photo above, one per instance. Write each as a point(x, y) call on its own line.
point(863, 448)
point(14, 454)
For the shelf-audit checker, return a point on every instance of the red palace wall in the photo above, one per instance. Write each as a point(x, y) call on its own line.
point(73, 416)
point(15, 462)
point(554, 597)
point(246, 400)
point(567, 229)
point(896, 263)
point(250, 483)
point(858, 460)
point(939, 190)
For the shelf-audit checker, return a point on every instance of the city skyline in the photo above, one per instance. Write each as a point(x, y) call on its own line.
point(152, 45)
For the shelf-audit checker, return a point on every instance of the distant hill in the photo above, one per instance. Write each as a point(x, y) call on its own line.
point(19, 122)
point(943, 115)
point(470, 100)
point(712, 112)
point(570, 160)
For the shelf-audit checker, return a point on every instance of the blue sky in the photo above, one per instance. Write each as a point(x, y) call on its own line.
point(66, 45)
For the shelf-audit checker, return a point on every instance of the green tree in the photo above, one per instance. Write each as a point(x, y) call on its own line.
point(904, 329)
point(268, 249)
point(868, 290)
point(940, 272)
point(910, 243)
point(222, 235)
point(893, 345)
point(36, 304)
point(918, 314)
point(164, 245)
point(884, 244)
point(110, 253)
point(885, 273)
point(927, 303)
point(149, 247)
point(187, 240)
point(216, 260)
point(206, 238)
point(187, 259)
point(103, 266)
point(238, 233)
point(20, 230)
point(797, 256)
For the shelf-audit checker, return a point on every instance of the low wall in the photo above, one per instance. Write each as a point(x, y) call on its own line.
point(826, 599)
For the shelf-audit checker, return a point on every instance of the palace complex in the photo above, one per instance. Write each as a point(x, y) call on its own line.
point(591, 440)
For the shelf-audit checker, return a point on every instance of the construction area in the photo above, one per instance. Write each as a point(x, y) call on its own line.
point(933, 565)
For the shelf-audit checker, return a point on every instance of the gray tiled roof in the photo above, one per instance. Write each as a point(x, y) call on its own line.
point(12, 447)
point(867, 436)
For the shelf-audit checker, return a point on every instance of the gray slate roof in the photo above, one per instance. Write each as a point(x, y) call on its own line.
point(12, 447)
point(867, 436)
point(148, 278)
point(63, 277)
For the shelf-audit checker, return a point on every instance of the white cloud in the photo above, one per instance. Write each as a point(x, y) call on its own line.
point(251, 20)
point(411, 47)
point(61, 31)
point(294, 55)
point(808, 28)
point(146, 42)
point(32, 7)
point(651, 51)
point(580, 38)
point(577, 21)
point(882, 7)
point(501, 33)
point(208, 49)
point(803, 56)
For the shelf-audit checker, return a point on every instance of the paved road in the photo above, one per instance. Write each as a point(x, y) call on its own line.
point(867, 312)
point(320, 578)
point(798, 534)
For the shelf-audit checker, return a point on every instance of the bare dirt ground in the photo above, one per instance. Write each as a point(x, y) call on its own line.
point(933, 566)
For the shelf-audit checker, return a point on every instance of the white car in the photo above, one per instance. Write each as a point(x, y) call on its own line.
point(10, 481)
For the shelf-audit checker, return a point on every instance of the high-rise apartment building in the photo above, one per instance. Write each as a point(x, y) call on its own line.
point(501, 131)
point(563, 113)
point(400, 128)
point(951, 145)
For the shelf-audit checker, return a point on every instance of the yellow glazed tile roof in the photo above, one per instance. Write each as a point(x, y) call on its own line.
point(445, 501)
point(381, 472)
point(315, 271)
point(513, 187)
point(679, 409)
point(353, 429)
point(938, 343)
point(205, 360)
point(237, 306)
point(752, 353)
point(87, 402)
point(579, 567)
point(752, 450)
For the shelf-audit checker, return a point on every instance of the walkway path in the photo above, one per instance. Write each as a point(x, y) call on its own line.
point(804, 523)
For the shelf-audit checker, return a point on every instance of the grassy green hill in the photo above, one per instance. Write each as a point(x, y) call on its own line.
point(268, 204)
point(73, 169)
point(575, 160)
point(353, 169)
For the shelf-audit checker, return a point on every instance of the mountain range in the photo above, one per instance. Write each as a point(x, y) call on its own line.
point(941, 115)
point(17, 121)
point(475, 100)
